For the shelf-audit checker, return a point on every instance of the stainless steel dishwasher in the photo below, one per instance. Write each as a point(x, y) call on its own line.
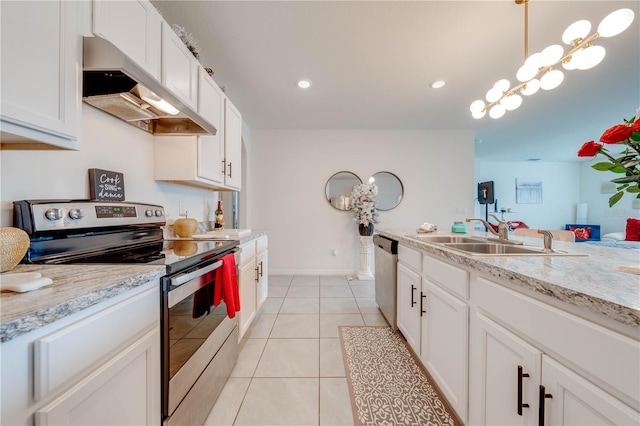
point(386, 261)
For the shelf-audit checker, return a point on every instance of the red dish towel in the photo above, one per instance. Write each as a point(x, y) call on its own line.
point(227, 285)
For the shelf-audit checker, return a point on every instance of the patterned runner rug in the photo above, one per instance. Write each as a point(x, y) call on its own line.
point(386, 385)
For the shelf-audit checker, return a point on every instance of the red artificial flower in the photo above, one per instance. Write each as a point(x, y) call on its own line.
point(589, 149)
point(617, 133)
point(635, 126)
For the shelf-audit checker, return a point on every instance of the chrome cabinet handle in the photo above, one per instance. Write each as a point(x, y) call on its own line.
point(261, 269)
point(422, 297)
point(224, 166)
point(521, 374)
point(230, 168)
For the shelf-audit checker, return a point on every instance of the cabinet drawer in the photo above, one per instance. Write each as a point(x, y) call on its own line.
point(609, 359)
point(450, 277)
point(262, 244)
point(247, 253)
point(410, 257)
point(68, 354)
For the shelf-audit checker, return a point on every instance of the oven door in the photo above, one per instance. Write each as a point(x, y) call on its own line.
point(193, 331)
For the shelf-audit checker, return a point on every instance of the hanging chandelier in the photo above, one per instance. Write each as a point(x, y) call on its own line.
point(540, 70)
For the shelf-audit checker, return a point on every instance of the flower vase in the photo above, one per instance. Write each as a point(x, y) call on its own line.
point(365, 230)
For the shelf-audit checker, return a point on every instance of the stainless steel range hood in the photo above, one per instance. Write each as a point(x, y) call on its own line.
point(115, 84)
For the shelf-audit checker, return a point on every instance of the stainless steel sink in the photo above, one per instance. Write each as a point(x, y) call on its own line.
point(448, 239)
point(490, 249)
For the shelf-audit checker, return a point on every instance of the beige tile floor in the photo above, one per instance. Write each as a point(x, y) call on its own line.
point(290, 369)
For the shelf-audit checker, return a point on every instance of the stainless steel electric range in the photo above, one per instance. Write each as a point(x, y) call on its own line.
point(199, 344)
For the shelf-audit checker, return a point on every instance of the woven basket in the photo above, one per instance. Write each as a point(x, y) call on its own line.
point(14, 243)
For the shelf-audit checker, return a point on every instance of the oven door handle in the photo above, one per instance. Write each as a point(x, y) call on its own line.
point(183, 278)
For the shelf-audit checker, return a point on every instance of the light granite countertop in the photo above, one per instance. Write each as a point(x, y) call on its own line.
point(589, 282)
point(74, 288)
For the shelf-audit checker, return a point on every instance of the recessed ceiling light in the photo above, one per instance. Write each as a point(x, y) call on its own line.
point(304, 84)
point(438, 84)
point(534, 159)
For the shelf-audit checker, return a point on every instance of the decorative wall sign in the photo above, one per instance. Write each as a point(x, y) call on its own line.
point(106, 185)
point(528, 190)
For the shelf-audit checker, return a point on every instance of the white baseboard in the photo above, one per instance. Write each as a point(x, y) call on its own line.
point(340, 272)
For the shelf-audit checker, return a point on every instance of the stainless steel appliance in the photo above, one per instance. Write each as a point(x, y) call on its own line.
point(199, 342)
point(386, 261)
point(118, 86)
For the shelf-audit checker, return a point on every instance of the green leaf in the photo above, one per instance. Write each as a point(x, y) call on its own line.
point(634, 189)
point(618, 169)
point(603, 167)
point(626, 179)
point(615, 198)
point(635, 136)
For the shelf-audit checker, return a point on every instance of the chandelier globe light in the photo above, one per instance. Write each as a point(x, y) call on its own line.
point(540, 70)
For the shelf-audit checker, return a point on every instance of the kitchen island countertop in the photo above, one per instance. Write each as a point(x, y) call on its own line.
point(588, 282)
point(74, 288)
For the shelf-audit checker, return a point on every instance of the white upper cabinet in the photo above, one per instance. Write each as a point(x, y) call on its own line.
point(179, 67)
point(213, 161)
point(232, 146)
point(211, 148)
point(134, 27)
point(40, 67)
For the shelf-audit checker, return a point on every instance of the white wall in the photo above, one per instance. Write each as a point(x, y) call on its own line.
point(290, 169)
point(107, 143)
point(611, 219)
point(561, 191)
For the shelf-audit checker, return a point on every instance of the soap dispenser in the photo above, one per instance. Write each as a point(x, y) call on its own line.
point(459, 228)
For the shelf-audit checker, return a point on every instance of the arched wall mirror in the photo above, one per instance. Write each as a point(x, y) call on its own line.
point(338, 189)
point(390, 190)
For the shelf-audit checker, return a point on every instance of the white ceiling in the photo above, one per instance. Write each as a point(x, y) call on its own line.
point(371, 63)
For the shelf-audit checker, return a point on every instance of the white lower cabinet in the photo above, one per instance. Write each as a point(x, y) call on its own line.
point(262, 263)
point(252, 280)
point(572, 400)
point(444, 343)
point(116, 394)
point(501, 356)
point(533, 364)
point(408, 310)
point(433, 316)
point(508, 370)
point(95, 367)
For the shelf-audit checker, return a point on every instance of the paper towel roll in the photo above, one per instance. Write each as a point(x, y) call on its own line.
point(581, 213)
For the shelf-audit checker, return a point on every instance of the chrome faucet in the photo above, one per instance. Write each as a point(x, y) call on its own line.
point(503, 228)
point(548, 240)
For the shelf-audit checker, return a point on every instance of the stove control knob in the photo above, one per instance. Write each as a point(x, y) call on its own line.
point(53, 214)
point(159, 213)
point(76, 214)
point(148, 213)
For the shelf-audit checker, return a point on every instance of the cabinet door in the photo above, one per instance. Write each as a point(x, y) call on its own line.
point(409, 291)
point(233, 146)
point(133, 26)
point(575, 401)
point(496, 359)
point(41, 59)
point(444, 337)
point(247, 282)
point(262, 288)
point(179, 67)
point(124, 390)
point(211, 148)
